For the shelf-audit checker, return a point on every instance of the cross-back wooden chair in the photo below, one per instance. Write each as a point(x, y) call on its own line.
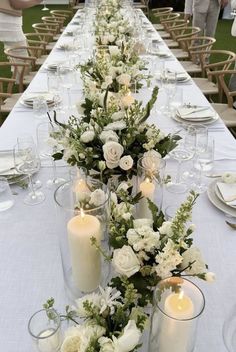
point(223, 60)
point(47, 28)
point(194, 45)
point(40, 39)
point(7, 97)
point(56, 20)
point(61, 13)
point(180, 33)
point(226, 111)
point(160, 14)
point(171, 28)
point(161, 27)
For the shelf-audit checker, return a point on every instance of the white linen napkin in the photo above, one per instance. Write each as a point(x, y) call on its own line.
point(198, 113)
point(228, 192)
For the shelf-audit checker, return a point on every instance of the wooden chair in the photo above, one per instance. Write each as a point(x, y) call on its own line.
point(165, 18)
point(51, 28)
point(182, 53)
point(171, 28)
point(7, 98)
point(226, 111)
point(62, 13)
point(57, 20)
point(41, 39)
point(193, 66)
point(210, 85)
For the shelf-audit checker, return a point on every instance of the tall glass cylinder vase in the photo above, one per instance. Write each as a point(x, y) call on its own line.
point(83, 214)
point(150, 179)
point(178, 303)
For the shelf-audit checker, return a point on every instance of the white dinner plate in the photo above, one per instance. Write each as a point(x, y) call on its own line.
point(219, 195)
point(27, 99)
point(7, 168)
point(197, 122)
point(217, 202)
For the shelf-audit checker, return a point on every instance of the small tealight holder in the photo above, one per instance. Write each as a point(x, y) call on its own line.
point(150, 177)
point(45, 329)
point(83, 215)
point(178, 303)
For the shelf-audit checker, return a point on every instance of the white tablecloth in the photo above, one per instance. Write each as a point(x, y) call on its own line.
point(30, 265)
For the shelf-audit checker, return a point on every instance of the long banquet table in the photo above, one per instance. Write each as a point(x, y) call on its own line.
point(30, 264)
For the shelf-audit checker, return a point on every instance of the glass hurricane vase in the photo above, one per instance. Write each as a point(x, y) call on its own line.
point(83, 214)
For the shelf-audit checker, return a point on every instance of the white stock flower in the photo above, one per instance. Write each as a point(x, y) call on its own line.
point(124, 79)
point(87, 136)
point(142, 222)
point(129, 339)
point(167, 260)
point(125, 261)
point(114, 198)
point(112, 152)
point(210, 277)
point(97, 197)
point(166, 229)
point(143, 238)
point(229, 177)
point(127, 100)
point(110, 96)
point(106, 82)
point(126, 216)
point(123, 186)
point(108, 135)
point(123, 208)
point(114, 50)
point(126, 162)
point(194, 256)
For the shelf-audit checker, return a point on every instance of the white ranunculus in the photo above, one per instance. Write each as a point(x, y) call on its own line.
point(108, 135)
point(229, 177)
point(119, 115)
point(210, 277)
point(98, 197)
point(142, 222)
point(193, 255)
point(125, 261)
point(126, 162)
point(87, 136)
point(114, 50)
point(129, 339)
point(124, 79)
point(112, 152)
point(115, 126)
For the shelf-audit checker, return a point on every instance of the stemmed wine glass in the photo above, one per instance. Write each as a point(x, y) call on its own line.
point(46, 148)
point(66, 76)
point(45, 8)
point(184, 151)
point(27, 161)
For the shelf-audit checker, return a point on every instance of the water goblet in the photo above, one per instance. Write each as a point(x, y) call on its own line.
point(27, 161)
point(47, 148)
point(66, 79)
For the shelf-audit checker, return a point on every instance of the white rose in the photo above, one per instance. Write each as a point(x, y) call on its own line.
point(108, 135)
point(124, 79)
point(126, 162)
point(114, 50)
point(71, 344)
point(210, 277)
point(125, 261)
point(106, 344)
point(129, 339)
point(101, 165)
point(87, 136)
point(142, 222)
point(112, 152)
point(119, 115)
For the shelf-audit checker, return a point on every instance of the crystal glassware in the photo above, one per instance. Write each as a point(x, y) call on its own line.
point(44, 327)
point(27, 162)
point(178, 303)
point(6, 197)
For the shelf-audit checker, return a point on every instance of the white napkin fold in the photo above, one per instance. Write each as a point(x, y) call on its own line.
point(181, 76)
point(228, 192)
point(191, 113)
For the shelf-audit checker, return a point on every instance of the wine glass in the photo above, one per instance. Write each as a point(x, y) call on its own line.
point(45, 8)
point(47, 147)
point(184, 151)
point(27, 161)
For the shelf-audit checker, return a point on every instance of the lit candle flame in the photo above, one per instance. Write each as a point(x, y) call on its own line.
point(147, 180)
point(82, 213)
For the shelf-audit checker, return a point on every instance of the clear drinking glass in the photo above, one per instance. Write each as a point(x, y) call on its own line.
point(40, 107)
point(66, 76)
point(27, 162)
point(45, 329)
point(47, 147)
point(169, 85)
point(6, 197)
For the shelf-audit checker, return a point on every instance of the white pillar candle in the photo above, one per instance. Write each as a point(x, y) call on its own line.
point(48, 342)
point(147, 189)
point(85, 258)
point(176, 329)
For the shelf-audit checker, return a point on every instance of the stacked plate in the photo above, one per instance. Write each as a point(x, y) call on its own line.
point(7, 168)
point(52, 66)
point(182, 77)
point(27, 100)
point(196, 114)
point(161, 52)
point(223, 196)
